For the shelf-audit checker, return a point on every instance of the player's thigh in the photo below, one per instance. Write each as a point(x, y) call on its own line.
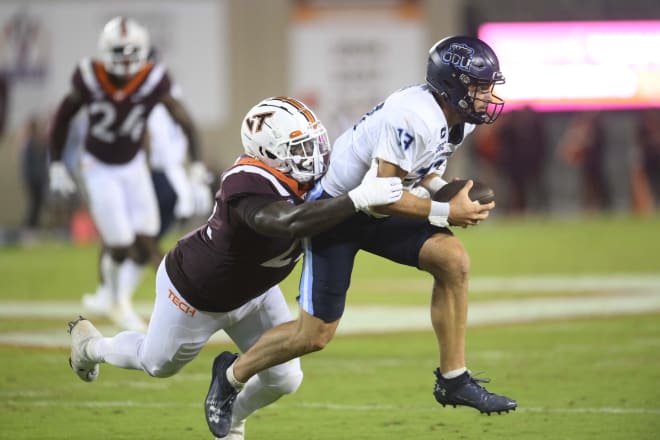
point(326, 273)
point(141, 197)
point(106, 203)
point(254, 318)
point(177, 331)
point(401, 239)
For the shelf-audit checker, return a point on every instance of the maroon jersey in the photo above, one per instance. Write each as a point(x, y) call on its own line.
point(117, 115)
point(226, 263)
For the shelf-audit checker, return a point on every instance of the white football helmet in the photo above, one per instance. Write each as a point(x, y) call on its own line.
point(286, 135)
point(124, 46)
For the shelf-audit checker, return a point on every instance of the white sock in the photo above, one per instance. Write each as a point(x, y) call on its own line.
point(254, 396)
point(454, 373)
point(232, 379)
point(91, 350)
point(122, 350)
point(129, 276)
point(103, 291)
point(110, 269)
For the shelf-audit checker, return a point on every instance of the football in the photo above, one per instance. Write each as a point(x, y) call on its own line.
point(479, 192)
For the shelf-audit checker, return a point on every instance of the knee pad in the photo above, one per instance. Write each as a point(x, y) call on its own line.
point(161, 369)
point(284, 381)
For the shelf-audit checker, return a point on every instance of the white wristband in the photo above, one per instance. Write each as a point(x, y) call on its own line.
point(439, 214)
point(435, 184)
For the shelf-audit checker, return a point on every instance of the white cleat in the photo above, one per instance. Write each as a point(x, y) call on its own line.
point(124, 316)
point(82, 332)
point(236, 432)
point(98, 303)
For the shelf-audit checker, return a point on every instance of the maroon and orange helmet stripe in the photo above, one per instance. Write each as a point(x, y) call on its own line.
point(300, 106)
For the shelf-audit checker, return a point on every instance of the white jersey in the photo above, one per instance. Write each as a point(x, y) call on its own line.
point(168, 143)
point(408, 129)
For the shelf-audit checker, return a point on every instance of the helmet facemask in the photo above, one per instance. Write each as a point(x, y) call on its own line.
point(124, 46)
point(476, 109)
point(124, 60)
point(286, 135)
point(307, 155)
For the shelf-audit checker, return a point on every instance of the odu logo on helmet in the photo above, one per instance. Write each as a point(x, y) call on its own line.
point(459, 55)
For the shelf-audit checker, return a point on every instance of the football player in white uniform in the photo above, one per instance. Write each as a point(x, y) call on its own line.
point(410, 135)
point(225, 274)
point(118, 93)
point(182, 191)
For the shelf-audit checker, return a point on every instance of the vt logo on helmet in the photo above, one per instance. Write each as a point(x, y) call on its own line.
point(285, 134)
point(464, 71)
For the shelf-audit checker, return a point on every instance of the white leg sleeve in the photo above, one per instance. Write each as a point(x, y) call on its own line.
point(266, 387)
point(129, 275)
point(110, 270)
point(122, 350)
point(252, 320)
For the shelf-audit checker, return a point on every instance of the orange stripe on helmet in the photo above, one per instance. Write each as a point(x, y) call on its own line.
point(300, 106)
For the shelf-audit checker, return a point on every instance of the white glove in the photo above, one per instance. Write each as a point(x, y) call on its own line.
point(376, 191)
point(60, 180)
point(202, 198)
point(420, 192)
point(197, 173)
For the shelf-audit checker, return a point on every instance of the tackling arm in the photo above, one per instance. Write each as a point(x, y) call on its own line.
point(282, 219)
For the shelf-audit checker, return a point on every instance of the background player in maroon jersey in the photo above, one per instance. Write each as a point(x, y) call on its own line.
point(118, 93)
point(225, 275)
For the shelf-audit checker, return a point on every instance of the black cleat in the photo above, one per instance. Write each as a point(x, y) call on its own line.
point(466, 390)
point(220, 398)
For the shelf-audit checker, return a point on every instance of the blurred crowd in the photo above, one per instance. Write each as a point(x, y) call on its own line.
point(528, 159)
point(519, 157)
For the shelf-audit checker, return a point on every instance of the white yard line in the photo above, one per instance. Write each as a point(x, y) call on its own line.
point(314, 405)
point(622, 294)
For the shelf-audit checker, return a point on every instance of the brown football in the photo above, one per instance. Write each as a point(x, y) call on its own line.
point(479, 192)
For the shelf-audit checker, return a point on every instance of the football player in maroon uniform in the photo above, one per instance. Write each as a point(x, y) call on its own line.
point(118, 93)
point(225, 275)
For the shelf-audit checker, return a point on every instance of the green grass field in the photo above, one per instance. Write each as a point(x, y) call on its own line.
point(585, 377)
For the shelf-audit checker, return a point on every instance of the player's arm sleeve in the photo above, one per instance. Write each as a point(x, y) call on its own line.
point(180, 114)
point(65, 112)
point(283, 219)
point(261, 207)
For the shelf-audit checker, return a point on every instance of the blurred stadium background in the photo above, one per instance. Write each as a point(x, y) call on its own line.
point(342, 57)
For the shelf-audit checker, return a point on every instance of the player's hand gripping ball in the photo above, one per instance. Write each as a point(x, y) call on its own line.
point(479, 192)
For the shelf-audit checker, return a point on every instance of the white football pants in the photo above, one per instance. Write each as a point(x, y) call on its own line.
point(177, 332)
point(121, 199)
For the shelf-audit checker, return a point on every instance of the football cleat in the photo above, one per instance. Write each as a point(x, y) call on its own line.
point(221, 396)
point(82, 332)
point(466, 390)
